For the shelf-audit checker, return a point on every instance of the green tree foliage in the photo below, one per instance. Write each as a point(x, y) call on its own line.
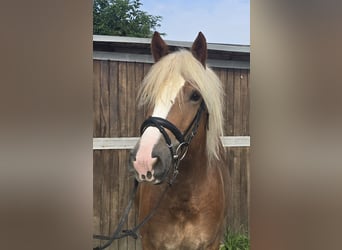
point(123, 18)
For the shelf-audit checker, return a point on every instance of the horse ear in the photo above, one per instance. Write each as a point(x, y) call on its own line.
point(199, 48)
point(158, 47)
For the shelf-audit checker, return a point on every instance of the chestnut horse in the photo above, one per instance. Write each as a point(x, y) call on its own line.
point(180, 149)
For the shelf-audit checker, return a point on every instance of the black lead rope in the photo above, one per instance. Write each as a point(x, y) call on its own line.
point(119, 233)
point(160, 123)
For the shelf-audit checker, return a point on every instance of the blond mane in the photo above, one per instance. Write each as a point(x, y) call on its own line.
point(183, 63)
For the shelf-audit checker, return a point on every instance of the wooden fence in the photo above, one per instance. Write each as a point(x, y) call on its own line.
point(116, 115)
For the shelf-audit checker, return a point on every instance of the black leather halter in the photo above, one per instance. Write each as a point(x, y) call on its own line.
point(183, 139)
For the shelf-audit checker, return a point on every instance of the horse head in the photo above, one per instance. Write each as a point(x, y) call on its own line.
point(175, 108)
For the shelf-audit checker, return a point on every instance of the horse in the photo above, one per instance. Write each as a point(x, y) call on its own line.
point(178, 160)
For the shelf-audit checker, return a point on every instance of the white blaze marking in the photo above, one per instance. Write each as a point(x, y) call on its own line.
point(144, 161)
point(149, 138)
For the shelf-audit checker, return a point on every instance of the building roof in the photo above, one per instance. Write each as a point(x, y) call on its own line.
point(138, 49)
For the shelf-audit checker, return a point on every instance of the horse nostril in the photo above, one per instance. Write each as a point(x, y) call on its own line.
point(143, 177)
point(149, 175)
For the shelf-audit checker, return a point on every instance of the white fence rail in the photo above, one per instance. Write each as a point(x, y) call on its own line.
point(129, 142)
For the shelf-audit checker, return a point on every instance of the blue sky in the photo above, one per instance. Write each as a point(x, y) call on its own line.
point(221, 21)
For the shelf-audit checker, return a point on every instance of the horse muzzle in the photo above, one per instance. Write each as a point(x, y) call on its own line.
point(151, 167)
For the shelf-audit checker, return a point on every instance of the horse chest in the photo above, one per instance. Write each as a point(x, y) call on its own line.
point(180, 234)
point(184, 211)
point(190, 217)
point(185, 220)
point(183, 228)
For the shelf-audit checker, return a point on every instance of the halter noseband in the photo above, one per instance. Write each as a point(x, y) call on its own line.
point(183, 139)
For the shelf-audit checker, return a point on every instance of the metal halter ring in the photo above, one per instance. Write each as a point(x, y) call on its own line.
point(181, 151)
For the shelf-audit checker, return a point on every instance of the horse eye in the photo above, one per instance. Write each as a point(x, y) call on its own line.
point(195, 96)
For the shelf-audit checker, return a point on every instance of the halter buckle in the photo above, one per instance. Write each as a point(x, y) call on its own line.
point(181, 151)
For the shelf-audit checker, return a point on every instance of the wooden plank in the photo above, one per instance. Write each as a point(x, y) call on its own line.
point(131, 120)
point(122, 97)
point(106, 194)
point(147, 68)
point(114, 98)
point(244, 156)
point(140, 115)
point(97, 198)
point(236, 190)
point(243, 189)
point(230, 103)
point(114, 131)
point(103, 198)
point(248, 102)
point(224, 79)
point(100, 219)
point(123, 131)
point(123, 191)
point(104, 157)
point(131, 99)
point(222, 75)
point(129, 142)
point(230, 163)
point(132, 216)
point(96, 97)
point(237, 103)
point(248, 186)
point(115, 195)
point(104, 99)
point(244, 103)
